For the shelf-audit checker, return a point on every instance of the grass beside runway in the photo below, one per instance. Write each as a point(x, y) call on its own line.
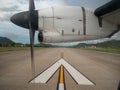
point(110, 50)
point(5, 49)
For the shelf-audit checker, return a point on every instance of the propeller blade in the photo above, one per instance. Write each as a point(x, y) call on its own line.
point(32, 34)
point(31, 5)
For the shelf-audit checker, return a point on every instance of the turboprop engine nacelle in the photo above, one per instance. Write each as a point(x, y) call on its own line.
point(70, 24)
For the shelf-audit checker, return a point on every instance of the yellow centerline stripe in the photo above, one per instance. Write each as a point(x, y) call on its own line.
point(61, 74)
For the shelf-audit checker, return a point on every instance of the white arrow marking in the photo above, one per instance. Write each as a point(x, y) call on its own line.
point(78, 77)
point(47, 74)
point(44, 77)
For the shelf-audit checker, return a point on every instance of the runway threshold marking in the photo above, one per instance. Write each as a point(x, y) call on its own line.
point(75, 74)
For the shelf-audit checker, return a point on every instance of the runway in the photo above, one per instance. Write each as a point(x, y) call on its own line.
point(100, 68)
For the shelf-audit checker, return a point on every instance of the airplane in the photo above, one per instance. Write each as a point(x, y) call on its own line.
point(69, 23)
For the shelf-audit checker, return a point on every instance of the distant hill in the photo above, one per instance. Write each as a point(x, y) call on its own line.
point(106, 44)
point(110, 44)
point(44, 45)
point(6, 41)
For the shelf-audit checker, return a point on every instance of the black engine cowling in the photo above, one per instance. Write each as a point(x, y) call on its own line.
point(40, 37)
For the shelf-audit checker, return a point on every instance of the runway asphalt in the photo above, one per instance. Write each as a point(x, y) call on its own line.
point(102, 69)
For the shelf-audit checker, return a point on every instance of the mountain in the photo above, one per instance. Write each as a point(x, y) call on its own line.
point(44, 45)
point(6, 41)
point(110, 44)
point(106, 44)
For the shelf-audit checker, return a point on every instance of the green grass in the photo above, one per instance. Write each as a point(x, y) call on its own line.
point(4, 49)
point(110, 50)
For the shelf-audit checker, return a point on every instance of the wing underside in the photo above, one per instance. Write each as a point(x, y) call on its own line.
point(110, 12)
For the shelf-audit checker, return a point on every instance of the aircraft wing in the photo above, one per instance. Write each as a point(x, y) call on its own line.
point(109, 12)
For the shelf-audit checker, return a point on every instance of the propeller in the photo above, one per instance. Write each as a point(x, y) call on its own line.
point(29, 20)
point(32, 32)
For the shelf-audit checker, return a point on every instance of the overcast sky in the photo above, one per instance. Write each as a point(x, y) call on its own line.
point(10, 7)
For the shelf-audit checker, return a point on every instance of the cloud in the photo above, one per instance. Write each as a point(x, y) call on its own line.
point(27, 1)
point(10, 9)
point(7, 9)
point(7, 12)
point(86, 3)
point(4, 17)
